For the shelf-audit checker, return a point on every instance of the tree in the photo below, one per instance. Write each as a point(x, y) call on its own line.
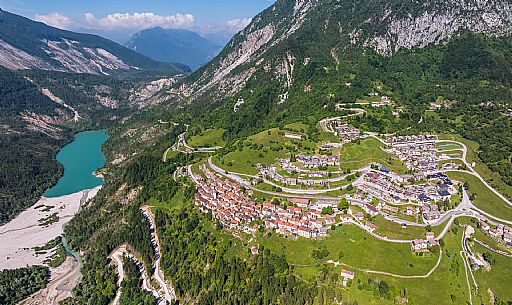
point(383, 289)
point(466, 185)
point(489, 257)
point(327, 210)
point(293, 158)
point(343, 205)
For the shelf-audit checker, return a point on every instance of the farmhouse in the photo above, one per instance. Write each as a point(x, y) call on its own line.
point(346, 275)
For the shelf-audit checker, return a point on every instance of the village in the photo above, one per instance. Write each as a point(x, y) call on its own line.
point(402, 196)
point(236, 210)
point(501, 233)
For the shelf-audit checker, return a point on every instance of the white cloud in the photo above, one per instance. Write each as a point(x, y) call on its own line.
point(238, 24)
point(138, 21)
point(56, 20)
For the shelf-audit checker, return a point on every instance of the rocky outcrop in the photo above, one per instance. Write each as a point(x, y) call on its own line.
point(247, 50)
point(490, 17)
point(46, 124)
point(14, 59)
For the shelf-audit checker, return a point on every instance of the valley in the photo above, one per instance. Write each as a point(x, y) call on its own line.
point(333, 152)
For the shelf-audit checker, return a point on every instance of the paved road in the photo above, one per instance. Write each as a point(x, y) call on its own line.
point(472, 170)
point(146, 284)
point(168, 293)
point(492, 249)
point(118, 258)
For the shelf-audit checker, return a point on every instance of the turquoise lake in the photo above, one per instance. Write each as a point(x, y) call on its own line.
point(80, 159)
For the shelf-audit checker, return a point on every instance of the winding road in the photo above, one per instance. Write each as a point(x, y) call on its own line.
point(165, 294)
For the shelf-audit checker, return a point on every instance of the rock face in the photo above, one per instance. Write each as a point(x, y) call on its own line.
point(291, 31)
point(440, 22)
point(26, 44)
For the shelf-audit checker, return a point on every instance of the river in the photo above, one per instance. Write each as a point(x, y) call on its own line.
point(80, 159)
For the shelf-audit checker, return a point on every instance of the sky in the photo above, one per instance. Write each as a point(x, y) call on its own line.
point(121, 18)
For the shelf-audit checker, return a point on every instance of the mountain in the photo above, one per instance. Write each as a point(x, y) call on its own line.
point(292, 36)
point(219, 38)
point(299, 58)
point(293, 64)
point(26, 44)
point(30, 136)
point(173, 45)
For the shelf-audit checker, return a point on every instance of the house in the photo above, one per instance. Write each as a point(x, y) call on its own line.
point(304, 232)
point(328, 220)
point(494, 233)
point(370, 226)
point(429, 235)
point(359, 216)
point(409, 211)
point(300, 202)
point(484, 226)
point(322, 232)
point(345, 218)
point(346, 275)
point(390, 209)
point(370, 209)
point(419, 245)
point(507, 237)
point(254, 250)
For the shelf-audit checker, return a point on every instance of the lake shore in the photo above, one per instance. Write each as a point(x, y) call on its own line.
point(22, 234)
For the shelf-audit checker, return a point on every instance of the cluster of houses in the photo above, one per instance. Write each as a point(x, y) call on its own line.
point(500, 233)
point(318, 161)
point(392, 140)
point(387, 187)
point(270, 172)
point(430, 212)
point(234, 209)
point(345, 132)
point(423, 245)
point(417, 156)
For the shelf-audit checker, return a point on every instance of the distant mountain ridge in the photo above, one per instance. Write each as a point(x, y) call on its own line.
point(174, 45)
point(26, 44)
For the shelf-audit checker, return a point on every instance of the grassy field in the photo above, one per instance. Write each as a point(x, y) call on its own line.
point(447, 281)
point(362, 251)
point(297, 127)
point(447, 146)
point(498, 279)
point(208, 138)
point(265, 148)
point(394, 230)
point(352, 246)
point(491, 177)
point(485, 199)
point(176, 202)
point(355, 156)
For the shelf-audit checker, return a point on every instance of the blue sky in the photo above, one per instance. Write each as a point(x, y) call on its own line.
point(128, 16)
